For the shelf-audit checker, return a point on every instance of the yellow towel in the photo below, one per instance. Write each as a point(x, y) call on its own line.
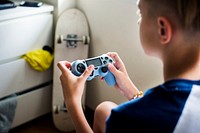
point(39, 60)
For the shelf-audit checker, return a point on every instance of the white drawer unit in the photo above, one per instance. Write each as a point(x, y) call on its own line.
point(25, 34)
point(17, 76)
point(32, 104)
point(23, 29)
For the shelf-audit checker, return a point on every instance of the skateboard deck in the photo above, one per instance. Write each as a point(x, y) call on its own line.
point(71, 43)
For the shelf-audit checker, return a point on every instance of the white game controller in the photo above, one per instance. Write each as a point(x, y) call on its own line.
point(100, 68)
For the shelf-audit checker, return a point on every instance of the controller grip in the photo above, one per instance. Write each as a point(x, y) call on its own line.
point(110, 79)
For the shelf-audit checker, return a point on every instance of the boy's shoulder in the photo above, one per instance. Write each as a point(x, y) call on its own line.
point(167, 100)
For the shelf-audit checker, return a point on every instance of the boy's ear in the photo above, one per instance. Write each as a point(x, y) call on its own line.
point(164, 30)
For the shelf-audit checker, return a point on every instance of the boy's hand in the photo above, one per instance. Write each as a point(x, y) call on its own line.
point(123, 82)
point(72, 85)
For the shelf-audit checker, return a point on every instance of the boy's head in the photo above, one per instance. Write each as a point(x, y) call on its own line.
point(182, 13)
point(168, 21)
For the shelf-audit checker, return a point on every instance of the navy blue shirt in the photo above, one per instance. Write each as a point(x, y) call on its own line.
point(163, 109)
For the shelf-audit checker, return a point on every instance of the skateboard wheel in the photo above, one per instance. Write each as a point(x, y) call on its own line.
point(60, 39)
point(86, 39)
point(56, 109)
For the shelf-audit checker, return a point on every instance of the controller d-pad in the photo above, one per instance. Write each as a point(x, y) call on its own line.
point(80, 68)
point(104, 69)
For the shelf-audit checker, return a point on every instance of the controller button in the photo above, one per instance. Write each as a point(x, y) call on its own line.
point(104, 62)
point(81, 68)
point(104, 69)
point(110, 61)
point(106, 58)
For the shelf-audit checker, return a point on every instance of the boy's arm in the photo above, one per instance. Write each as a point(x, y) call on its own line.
point(76, 111)
point(73, 88)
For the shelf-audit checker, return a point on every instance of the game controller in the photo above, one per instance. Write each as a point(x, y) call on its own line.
point(100, 68)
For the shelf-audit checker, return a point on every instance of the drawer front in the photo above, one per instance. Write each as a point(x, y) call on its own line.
point(32, 105)
point(17, 76)
point(18, 36)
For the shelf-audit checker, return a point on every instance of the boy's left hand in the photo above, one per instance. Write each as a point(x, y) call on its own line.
point(72, 85)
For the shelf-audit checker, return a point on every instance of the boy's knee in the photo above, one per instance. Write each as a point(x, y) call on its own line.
point(102, 111)
point(104, 108)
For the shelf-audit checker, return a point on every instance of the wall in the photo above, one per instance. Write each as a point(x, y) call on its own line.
point(113, 27)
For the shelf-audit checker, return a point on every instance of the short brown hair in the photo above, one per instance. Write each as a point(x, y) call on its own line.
point(185, 12)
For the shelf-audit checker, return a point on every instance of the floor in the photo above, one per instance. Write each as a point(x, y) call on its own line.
point(44, 124)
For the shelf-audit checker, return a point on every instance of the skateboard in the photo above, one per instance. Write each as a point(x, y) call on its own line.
point(71, 43)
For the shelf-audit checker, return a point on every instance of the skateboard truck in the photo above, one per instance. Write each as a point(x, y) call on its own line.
point(72, 40)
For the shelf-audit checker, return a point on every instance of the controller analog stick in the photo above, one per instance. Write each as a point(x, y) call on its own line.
point(104, 69)
point(80, 68)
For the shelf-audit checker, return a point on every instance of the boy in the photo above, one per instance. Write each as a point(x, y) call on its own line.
point(170, 31)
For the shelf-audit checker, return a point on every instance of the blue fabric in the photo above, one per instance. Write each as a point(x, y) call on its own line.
point(158, 111)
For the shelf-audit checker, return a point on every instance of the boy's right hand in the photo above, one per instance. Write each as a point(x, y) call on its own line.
point(123, 83)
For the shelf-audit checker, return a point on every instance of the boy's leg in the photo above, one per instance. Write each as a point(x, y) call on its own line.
point(102, 111)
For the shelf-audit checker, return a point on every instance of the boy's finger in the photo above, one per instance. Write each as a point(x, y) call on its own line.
point(114, 56)
point(64, 66)
point(88, 72)
point(112, 69)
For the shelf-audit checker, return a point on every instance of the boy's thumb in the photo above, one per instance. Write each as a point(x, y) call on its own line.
point(88, 72)
point(112, 69)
